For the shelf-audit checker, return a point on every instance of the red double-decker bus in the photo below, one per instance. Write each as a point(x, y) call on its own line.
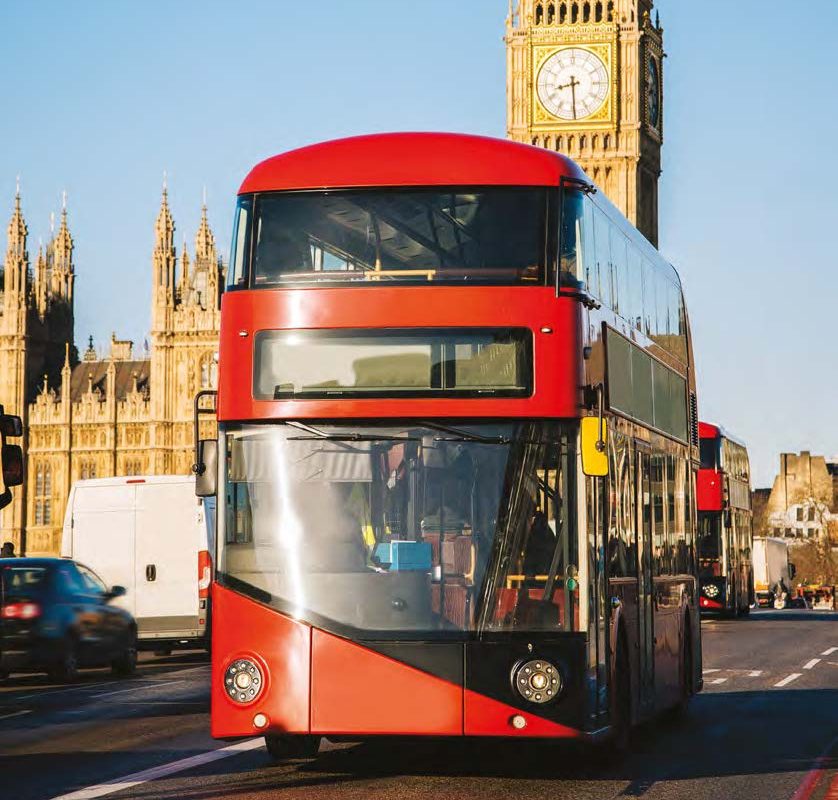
point(725, 523)
point(456, 452)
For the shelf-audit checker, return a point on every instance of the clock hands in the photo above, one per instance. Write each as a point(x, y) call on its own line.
point(571, 84)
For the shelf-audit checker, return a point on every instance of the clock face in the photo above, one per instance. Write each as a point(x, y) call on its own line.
point(573, 83)
point(654, 93)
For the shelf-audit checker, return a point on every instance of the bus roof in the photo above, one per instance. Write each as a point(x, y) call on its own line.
point(411, 159)
point(710, 430)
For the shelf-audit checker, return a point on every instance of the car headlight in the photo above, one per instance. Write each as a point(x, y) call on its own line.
point(711, 590)
point(243, 680)
point(538, 681)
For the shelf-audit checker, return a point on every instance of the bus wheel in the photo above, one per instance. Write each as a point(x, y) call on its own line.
point(621, 700)
point(286, 747)
point(686, 672)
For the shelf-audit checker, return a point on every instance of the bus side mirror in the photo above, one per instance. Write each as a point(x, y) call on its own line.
point(594, 437)
point(728, 519)
point(206, 468)
point(12, 456)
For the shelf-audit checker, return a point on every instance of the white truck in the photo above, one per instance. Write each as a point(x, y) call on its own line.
point(153, 536)
point(773, 573)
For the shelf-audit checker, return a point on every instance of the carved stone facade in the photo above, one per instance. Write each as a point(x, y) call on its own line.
point(585, 78)
point(117, 414)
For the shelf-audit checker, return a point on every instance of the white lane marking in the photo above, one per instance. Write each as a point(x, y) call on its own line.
point(717, 681)
point(787, 680)
point(68, 689)
point(708, 671)
point(755, 673)
point(829, 651)
point(810, 664)
point(136, 688)
point(164, 770)
point(16, 714)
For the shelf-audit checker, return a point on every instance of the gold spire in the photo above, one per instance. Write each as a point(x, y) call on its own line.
point(17, 259)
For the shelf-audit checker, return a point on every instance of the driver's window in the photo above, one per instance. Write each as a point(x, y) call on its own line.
point(92, 581)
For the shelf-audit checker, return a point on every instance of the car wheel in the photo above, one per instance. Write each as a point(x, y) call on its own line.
point(66, 668)
point(126, 662)
point(287, 747)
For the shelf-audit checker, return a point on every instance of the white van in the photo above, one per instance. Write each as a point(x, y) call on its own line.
point(151, 535)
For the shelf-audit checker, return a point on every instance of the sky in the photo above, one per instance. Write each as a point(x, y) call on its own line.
point(100, 98)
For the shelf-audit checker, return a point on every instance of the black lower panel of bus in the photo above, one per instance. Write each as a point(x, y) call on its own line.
point(488, 667)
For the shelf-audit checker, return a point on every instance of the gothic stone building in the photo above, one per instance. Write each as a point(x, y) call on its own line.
point(107, 414)
point(584, 78)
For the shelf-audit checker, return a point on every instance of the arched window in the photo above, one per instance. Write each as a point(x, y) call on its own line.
point(551, 13)
point(539, 14)
point(574, 13)
point(558, 143)
point(586, 12)
point(611, 11)
point(594, 142)
point(548, 142)
point(598, 12)
point(583, 140)
point(562, 13)
point(606, 142)
point(43, 494)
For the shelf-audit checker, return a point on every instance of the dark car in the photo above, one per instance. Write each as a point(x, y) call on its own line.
point(56, 616)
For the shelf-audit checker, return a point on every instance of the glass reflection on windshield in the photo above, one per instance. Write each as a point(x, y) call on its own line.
point(405, 527)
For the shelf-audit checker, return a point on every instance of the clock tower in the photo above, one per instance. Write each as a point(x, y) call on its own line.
point(585, 78)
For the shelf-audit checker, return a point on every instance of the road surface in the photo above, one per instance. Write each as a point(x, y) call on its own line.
point(765, 727)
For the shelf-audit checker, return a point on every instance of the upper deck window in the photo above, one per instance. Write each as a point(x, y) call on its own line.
point(457, 235)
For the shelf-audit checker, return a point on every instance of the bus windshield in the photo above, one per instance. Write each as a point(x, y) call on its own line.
point(414, 528)
point(483, 235)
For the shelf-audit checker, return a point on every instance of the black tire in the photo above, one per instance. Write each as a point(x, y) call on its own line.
point(288, 747)
point(65, 669)
point(125, 663)
point(685, 670)
point(620, 741)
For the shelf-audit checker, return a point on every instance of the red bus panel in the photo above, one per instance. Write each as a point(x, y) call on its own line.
point(485, 716)
point(280, 645)
point(709, 490)
point(357, 691)
point(557, 382)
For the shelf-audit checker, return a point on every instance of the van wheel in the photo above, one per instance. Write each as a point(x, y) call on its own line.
point(286, 747)
point(126, 662)
point(66, 668)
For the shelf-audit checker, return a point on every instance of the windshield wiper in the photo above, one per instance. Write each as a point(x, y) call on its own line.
point(457, 435)
point(349, 436)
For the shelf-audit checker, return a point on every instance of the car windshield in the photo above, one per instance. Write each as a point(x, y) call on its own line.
point(482, 235)
point(431, 528)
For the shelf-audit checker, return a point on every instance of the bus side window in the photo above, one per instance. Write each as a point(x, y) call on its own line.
point(619, 269)
point(588, 272)
point(649, 299)
point(570, 240)
point(635, 287)
point(603, 257)
point(657, 484)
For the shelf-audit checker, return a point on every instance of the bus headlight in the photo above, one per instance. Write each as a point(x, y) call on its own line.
point(538, 681)
point(711, 590)
point(243, 680)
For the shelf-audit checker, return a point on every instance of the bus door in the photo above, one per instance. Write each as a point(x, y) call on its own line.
point(646, 615)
